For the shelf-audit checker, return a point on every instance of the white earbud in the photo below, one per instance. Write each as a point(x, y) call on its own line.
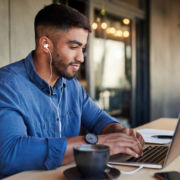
point(46, 46)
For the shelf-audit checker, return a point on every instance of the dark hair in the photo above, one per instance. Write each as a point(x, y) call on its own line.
point(59, 17)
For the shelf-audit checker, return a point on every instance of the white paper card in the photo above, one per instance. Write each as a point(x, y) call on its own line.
point(148, 133)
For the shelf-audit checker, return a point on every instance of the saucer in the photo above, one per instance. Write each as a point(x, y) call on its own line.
point(73, 174)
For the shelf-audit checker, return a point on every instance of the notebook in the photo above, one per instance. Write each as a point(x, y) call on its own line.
point(154, 156)
point(151, 136)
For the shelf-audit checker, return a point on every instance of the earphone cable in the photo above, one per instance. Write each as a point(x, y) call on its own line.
point(50, 91)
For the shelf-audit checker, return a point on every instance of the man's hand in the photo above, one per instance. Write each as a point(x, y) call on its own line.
point(134, 133)
point(122, 140)
point(119, 139)
point(121, 143)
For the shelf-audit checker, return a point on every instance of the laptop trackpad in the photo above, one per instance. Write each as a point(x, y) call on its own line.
point(119, 157)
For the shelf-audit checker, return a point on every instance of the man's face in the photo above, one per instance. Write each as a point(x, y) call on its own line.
point(67, 54)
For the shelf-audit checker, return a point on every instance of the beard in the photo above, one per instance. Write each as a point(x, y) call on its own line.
point(62, 71)
point(61, 67)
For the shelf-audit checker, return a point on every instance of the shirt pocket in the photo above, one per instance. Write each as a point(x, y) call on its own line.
point(43, 130)
point(72, 122)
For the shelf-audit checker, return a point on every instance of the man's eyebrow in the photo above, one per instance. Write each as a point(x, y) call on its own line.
point(75, 42)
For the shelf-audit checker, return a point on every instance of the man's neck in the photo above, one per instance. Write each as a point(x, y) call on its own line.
point(42, 67)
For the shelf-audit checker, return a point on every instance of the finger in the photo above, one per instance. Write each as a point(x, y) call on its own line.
point(134, 146)
point(118, 137)
point(121, 140)
point(138, 136)
point(115, 146)
point(141, 139)
point(126, 138)
point(138, 145)
point(141, 142)
point(133, 133)
point(125, 150)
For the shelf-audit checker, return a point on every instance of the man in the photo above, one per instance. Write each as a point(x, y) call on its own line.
point(42, 105)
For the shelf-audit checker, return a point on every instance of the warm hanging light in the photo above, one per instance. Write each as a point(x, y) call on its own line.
point(104, 25)
point(108, 30)
point(126, 21)
point(119, 33)
point(112, 30)
point(94, 25)
point(126, 33)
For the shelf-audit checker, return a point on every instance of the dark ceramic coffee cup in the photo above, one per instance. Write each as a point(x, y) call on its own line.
point(91, 160)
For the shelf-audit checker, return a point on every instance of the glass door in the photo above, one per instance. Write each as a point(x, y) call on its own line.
point(112, 65)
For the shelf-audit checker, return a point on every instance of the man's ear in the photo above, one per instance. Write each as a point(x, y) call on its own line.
point(45, 43)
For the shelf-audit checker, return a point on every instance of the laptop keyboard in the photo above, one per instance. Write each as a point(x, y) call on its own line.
point(151, 154)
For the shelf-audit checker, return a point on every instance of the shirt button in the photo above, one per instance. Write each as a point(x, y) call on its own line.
point(70, 113)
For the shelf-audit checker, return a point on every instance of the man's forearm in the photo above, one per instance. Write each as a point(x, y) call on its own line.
point(77, 140)
point(122, 142)
point(111, 128)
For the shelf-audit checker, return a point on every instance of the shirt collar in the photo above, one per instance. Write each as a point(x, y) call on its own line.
point(36, 79)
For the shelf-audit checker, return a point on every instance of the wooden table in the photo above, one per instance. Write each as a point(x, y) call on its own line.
point(145, 173)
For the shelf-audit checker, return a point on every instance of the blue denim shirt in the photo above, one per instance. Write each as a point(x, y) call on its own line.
point(29, 130)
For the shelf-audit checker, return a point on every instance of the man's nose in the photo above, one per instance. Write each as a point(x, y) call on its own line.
point(79, 56)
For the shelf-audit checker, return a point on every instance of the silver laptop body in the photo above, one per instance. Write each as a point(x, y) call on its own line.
point(172, 152)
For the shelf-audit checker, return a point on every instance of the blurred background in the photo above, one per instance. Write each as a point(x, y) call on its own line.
point(132, 59)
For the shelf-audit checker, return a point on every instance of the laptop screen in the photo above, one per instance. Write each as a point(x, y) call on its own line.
point(174, 149)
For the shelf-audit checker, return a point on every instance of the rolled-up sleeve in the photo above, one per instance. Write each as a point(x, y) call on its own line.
point(18, 150)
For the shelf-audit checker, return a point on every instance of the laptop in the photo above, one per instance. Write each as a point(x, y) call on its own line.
point(153, 156)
